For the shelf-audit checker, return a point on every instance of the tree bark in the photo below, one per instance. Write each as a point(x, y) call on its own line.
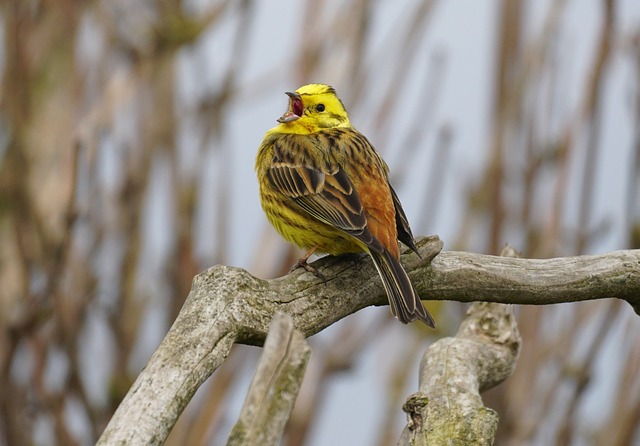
point(274, 387)
point(448, 408)
point(228, 305)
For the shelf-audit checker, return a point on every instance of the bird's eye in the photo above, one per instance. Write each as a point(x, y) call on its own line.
point(320, 107)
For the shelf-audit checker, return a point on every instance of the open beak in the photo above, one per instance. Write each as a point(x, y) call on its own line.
point(296, 109)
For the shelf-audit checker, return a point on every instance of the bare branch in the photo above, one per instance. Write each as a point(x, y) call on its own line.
point(274, 387)
point(197, 344)
point(229, 305)
point(468, 277)
point(448, 408)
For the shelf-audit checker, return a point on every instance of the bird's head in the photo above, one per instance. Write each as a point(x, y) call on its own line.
point(312, 108)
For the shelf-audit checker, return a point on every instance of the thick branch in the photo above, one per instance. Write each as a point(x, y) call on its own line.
point(274, 387)
point(197, 344)
point(447, 408)
point(229, 305)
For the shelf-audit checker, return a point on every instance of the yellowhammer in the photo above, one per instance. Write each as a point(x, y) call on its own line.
point(325, 188)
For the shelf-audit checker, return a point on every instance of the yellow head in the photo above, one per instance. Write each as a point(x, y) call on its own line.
point(312, 108)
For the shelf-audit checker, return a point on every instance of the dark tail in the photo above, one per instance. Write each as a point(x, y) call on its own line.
point(403, 299)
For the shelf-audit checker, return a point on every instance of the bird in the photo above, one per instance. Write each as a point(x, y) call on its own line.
point(325, 188)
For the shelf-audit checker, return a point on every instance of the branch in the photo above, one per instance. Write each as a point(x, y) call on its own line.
point(448, 408)
point(468, 277)
point(274, 387)
point(228, 305)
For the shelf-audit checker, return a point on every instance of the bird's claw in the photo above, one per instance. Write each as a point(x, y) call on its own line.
point(302, 263)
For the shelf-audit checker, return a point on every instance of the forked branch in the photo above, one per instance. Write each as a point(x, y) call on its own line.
point(227, 305)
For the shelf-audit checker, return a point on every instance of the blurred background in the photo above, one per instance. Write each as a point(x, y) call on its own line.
point(128, 131)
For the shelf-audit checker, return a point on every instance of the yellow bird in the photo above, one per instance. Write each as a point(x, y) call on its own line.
point(325, 188)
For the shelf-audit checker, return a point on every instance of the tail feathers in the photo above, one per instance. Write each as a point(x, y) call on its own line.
point(403, 299)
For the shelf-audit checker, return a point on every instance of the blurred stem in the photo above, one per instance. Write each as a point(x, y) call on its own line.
point(437, 174)
point(16, 201)
point(633, 185)
point(221, 102)
point(591, 111)
point(582, 374)
point(509, 39)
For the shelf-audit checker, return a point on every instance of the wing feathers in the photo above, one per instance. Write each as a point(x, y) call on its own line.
point(295, 181)
point(330, 198)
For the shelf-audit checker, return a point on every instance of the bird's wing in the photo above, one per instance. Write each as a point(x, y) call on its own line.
point(328, 196)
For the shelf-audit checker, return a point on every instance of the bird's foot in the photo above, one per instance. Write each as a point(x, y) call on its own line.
point(302, 263)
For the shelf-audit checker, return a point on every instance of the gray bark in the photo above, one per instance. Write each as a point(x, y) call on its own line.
point(228, 305)
point(274, 387)
point(448, 409)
